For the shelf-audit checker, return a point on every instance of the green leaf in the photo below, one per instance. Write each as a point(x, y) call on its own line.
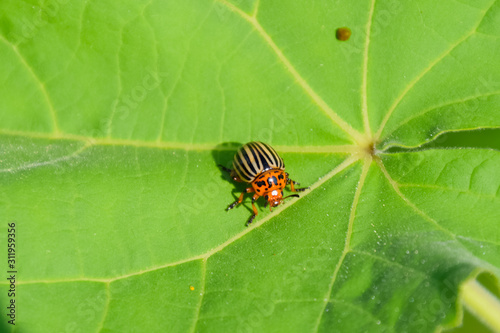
point(113, 119)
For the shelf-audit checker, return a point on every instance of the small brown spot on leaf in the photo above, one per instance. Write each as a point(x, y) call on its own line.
point(343, 33)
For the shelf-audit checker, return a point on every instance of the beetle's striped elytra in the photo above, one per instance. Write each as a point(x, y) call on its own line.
point(258, 163)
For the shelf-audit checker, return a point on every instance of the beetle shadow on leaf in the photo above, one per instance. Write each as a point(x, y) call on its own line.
point(223, 155)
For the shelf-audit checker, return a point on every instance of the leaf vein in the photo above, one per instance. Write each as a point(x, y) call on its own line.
point(202, 294)
point(106, 309)
point(435, 107)
point(41, 85)
point(221, 88)
point(395, 186)
point(361, 309)
point(347, 149)
point(364, 83)
point(256, 8)
point(180, 72)
point(443, 188)
point(50, 162)
point(393, 263)
point(477, 240)
point(427, 70)
point(119, 83)
point(347, 245)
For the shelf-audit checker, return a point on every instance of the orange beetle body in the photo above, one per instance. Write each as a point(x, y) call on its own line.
point(270, 185)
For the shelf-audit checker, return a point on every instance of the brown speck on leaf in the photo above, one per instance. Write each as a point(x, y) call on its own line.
point(343, 33)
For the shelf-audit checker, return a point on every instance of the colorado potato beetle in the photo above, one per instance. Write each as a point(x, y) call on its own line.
point(258, 164)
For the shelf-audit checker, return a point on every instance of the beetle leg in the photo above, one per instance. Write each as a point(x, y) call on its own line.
point(235, 176)
point(292, 183)
point(224, 168)
point(240, 199)
point(288, 180)
point(232, 173)
point(255, 197)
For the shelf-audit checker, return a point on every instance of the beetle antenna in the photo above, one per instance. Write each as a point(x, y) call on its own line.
point(292, 195)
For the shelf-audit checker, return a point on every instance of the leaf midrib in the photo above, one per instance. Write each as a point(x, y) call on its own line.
point(348, 149)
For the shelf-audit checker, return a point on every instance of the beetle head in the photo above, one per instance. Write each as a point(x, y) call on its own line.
point(275, 198)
